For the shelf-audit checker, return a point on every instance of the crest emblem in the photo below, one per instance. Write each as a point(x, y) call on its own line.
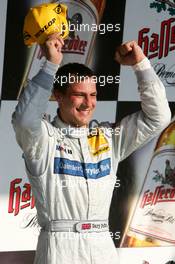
point(164, 5)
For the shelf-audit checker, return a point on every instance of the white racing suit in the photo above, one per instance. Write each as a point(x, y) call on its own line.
point(73, 174)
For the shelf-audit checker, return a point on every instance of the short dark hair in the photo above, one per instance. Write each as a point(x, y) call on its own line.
point(70, 69)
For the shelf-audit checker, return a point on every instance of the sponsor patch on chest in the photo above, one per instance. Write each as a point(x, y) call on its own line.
point(64, 148)
point(98, 143)
point(81, 169)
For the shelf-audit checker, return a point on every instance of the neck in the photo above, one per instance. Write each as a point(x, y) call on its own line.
point(67, 123)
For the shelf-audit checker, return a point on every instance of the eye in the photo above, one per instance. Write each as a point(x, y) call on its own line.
point(78, 94)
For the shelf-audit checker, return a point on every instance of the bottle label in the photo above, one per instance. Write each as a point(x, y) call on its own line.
point(154, 215)
point(82, 16)
point(78, 47)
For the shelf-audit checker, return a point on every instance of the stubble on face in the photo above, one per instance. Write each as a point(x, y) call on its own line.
point(78, 104)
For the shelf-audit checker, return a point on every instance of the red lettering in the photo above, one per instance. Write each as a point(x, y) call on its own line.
point(26, 196)
point(143, 41)
point(167, 191)
point(154, 44)
point(19, 199)
point(158, 196)
point(172, 194)
point(172, 40)
point(75, 45)
point(158, 44)
point(86, 226)
point(83, 45)
point(14, 192)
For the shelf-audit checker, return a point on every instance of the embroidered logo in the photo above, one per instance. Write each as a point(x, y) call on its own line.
point(164, 6)
point(98, 144)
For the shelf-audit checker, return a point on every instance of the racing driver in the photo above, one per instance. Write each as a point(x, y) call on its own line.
point(72, 171)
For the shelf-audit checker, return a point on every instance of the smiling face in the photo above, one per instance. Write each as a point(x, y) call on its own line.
point(77, 105)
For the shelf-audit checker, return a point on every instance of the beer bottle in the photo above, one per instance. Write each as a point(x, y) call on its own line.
point(83, 15)
point(153, 220)
point(84, 18)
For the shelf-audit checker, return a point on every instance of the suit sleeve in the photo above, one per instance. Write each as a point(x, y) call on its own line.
point(140, 127)
point(31, 132)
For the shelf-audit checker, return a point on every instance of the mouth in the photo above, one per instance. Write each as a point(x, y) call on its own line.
point(84, 112)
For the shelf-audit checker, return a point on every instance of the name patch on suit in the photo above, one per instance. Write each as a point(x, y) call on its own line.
point(80, 169)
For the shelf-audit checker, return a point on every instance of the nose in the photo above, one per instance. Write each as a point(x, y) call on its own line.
point(88, 101)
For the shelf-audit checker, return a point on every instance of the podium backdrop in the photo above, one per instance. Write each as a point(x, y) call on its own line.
point(152, 24)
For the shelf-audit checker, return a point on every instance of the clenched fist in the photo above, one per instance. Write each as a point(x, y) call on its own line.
point(52, 48)
point(129, 53)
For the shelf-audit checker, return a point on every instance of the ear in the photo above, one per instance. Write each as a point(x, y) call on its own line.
point(58, 96)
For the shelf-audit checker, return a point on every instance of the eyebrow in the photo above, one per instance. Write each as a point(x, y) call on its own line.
point(94, 93)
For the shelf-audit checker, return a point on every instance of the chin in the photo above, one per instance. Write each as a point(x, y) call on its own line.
point(81, 123)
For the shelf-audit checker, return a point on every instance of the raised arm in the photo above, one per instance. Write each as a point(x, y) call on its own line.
point(140, 127)
point(32, 104)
